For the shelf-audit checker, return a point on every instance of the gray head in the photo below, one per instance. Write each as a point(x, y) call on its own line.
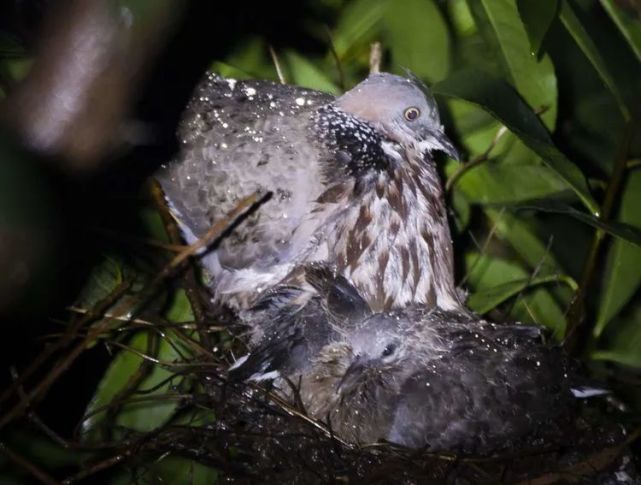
point(395, 343)
point(402, 109)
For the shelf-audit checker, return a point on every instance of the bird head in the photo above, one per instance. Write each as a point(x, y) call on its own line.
point(380, 348)
point(392, 345)
point(402, 109)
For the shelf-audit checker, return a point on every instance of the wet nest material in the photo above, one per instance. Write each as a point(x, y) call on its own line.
point(252, 435)
point(257, 437)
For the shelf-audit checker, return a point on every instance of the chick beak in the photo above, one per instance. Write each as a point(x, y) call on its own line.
point(352, 374)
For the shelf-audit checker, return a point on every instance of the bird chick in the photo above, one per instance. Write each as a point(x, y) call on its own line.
point(353, 183)
point(417, 376)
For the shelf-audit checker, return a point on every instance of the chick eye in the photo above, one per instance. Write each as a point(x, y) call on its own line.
point(389, 350)
point(412, 113)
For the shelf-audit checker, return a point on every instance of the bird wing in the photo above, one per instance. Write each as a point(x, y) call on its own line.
point(290, 333)
point(239, 137)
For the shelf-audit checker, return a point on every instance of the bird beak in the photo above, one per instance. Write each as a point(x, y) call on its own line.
point(352, 374)
point(441, 142)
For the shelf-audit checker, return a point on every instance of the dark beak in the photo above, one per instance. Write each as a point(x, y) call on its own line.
point(352, 374)
point(444, 144)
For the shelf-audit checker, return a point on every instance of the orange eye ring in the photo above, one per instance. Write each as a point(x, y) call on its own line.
point(412, 113)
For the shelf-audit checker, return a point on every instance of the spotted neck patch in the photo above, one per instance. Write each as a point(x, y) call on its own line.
point(355, 145)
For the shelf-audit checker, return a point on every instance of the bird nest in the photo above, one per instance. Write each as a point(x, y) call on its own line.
point(257, 436)
point(247, 432)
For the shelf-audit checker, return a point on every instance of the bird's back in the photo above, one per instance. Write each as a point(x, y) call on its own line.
point(240, 137)
point(495, 387)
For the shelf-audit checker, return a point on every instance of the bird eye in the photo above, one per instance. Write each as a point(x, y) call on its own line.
point(412, 113)
point(389, 350)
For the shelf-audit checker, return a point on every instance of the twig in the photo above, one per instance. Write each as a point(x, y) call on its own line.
point(37, 393)
point(483, 157)
point(375, 56)
point(279, 71)
point(533, 274)
point(192, 285)
point(126, 238)
point(482, 249)
point(98, 467)
point(71, 331)
point(478, 160)
point(214, 233)
point(634, 163)
point(27, 465)
point(139, 321)
point(575, 340)
point(337, 61)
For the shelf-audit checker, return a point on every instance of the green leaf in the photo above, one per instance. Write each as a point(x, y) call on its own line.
point(146, 414)
point(499, 99)
point(175, 469)
point(534, 79)
point(179, 308)
point(41, 450)
point(584, 41)
point(461, 208)
point(627, 23)
point(497, 183)
point(621, 230)
point(489, 298)
point(487, 275)
point(417, 36)
point(524, 241)
point(461, 18)
point(305, 73)
point(152, 224)
point(169, 469)
point(623, 342)
point(357, 26)
point(249, 59)
point(623, 274)
point(103, 280)
point(537, 16)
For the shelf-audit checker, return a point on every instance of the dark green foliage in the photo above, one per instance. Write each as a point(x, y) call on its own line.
point(542, 97)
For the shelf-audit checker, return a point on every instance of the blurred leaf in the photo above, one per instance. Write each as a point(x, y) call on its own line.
point(357, 25)
point(103, 280)
point(620, 230)
point(500, 100)
point(461, 18)
point(175, 469)
point(152, 224)
point(305, 73)
point(476, 128)
point(534, 80)
point(250, 59)
point(143, 415)
point(489, 298)
point(524, 241)
point(417, 37)
point(624, 341)
point(488, 274)
point(179, 308)
point(461, 208)
point(585, 43)
point(43, 451)
point(170, 469)
point(537, 16)
point(623, 274)
point(627, 23)
point(496, 183)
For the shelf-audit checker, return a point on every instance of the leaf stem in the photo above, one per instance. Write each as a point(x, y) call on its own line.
point(576, 336)
point(483, 157)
